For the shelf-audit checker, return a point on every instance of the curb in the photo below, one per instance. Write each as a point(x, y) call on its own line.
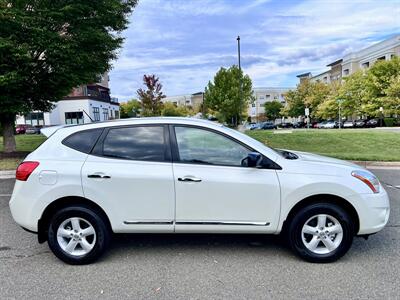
point(378, 164)
point(7, 174)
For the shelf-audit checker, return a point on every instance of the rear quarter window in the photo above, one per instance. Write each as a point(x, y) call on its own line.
point(83, 141)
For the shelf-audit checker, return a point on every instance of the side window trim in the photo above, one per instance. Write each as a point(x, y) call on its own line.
point(98, 148)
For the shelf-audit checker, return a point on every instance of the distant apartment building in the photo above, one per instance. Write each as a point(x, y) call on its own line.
point(85, 104)
point(255, 110)
point(265, 94)
point(191, 100)
point(352, 62)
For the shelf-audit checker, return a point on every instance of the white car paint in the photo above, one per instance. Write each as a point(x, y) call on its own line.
point(147, 197)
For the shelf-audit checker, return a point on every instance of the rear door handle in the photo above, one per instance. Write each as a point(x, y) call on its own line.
point(189, 179)
point(99, 176)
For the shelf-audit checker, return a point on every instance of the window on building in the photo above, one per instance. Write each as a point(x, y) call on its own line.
point(117, 114)
point(75, 117)
point(381, 58)
point(365, 65)
point(261, 98)
point(136, 143)
point(346, 72)
point(105, 114)
point(34, 119)
point(325, 79)
point(96, 114)
point(267, 96)
point(253, 105)
point(392, 56)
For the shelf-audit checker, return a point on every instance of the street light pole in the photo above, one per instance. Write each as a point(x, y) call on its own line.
point(240, 82)
point(340, 117)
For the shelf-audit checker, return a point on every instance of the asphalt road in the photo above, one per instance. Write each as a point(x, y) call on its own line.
point(201, 266)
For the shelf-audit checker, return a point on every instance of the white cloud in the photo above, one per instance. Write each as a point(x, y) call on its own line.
point(185, 42)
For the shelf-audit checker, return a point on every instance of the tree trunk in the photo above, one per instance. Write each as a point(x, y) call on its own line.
point(7, 125)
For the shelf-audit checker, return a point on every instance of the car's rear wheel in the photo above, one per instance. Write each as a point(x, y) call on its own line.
point(321, 232)
point(78, 235)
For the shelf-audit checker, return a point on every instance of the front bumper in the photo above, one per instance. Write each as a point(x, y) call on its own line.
point(373, 211)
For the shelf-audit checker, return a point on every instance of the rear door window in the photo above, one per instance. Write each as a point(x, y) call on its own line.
point(145, 143)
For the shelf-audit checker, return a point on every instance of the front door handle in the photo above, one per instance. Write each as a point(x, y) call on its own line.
point(99, 176)
point(189, 179)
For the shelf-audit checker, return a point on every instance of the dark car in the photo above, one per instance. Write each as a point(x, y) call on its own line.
point(268, 125)
point(360, 123)
point(32, 130)
point(20, 128)
point(372, 123)
point(286, 125)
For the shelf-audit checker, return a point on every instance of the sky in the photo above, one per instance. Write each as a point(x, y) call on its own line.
point(185, 42)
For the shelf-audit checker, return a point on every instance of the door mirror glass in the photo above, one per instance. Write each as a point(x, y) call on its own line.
point(253, 160)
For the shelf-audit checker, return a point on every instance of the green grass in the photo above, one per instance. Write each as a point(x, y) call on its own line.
point(9, 163)
point(26, 142)
point(369, 145)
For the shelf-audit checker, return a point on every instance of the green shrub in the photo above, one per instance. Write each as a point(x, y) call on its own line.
point(389, 122)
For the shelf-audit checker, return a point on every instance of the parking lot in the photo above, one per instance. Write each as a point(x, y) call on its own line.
point(201, 266)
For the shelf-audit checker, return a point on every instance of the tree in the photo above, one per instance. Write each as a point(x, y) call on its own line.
point(380, 80)
point(229, 94)
point(130, 109)
point(170, 110)
point(49, 47)
point(273, 109)
point(152, 96)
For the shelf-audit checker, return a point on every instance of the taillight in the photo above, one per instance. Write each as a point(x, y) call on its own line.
point(25, 169)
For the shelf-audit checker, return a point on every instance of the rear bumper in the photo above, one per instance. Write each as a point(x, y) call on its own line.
point(373, 211)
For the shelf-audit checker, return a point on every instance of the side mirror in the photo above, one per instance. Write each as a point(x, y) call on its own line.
point(252, 160)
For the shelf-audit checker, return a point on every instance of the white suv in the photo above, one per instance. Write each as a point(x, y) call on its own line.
point(181, 175)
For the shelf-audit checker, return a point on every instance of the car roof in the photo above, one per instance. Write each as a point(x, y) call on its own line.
point(48, 131)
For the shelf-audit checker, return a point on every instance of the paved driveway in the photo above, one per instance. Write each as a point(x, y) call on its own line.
point(200, 266)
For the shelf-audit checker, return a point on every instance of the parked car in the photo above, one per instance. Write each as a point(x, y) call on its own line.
point(329, 124)
point(348, 124)
point(32, 130)
point(285, 125)
point(300, 124)
point(175, 175)
point(256, 126)
point(360, 123)
point(372, 123)
point(321, 124)
point(268, 125)
point(20, 128)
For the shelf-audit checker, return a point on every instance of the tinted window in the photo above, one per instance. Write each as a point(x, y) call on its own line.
point(83, 140)
point(203, 146)
point(137, 143)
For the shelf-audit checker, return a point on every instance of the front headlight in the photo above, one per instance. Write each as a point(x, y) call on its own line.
point(368, 178)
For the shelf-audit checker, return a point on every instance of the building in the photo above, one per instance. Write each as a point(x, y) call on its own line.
point(265, 94)
point(192, 100)
point(85, 104)
point(358, 60)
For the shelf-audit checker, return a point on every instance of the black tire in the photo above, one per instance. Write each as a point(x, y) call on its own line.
point(94, 218)
point(295, 235)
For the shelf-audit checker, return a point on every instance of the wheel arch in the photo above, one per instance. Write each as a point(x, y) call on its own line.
point(323, 198)
point(62, 203)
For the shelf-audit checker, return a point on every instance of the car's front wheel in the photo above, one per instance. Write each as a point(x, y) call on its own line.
point(321, 232)
point(78, 235)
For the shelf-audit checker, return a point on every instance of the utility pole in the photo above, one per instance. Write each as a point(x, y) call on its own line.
point(240, 83)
